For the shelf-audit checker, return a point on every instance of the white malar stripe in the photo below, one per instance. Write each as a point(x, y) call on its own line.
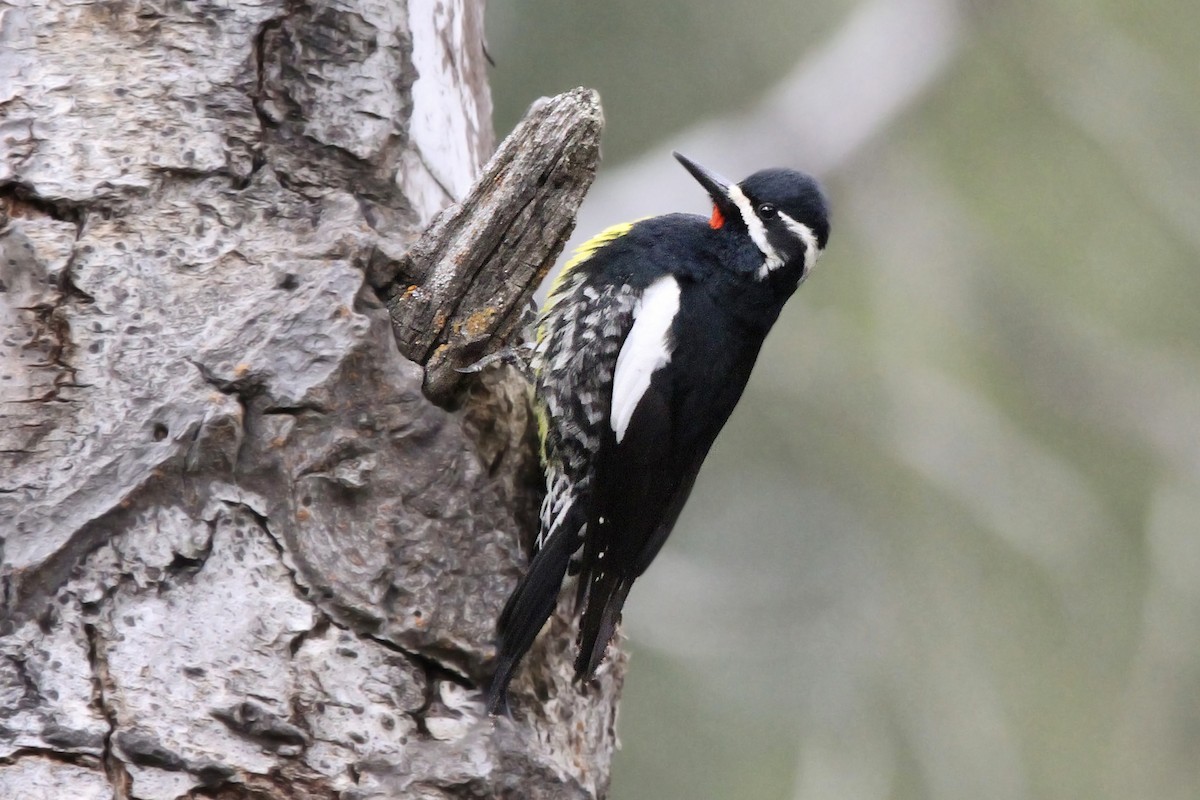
point(647, 349)
point(758, 232)
point(812, 250)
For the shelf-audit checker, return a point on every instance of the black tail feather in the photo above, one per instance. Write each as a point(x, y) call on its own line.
point(497, 695)
point(605, 597)
point(529, 606)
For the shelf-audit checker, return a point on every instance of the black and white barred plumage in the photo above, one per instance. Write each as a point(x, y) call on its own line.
point(580, 335)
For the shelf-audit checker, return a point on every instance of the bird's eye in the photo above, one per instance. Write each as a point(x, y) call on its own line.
point(766, 211)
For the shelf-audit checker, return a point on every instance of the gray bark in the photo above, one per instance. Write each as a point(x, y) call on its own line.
point(243, 554)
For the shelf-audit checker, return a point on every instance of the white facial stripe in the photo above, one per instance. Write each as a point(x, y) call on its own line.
point(758, 231)
point(646, 350)
point(812, 250)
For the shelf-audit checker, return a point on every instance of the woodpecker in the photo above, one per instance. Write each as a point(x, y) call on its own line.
point(643, 347)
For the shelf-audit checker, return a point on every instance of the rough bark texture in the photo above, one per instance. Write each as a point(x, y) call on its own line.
point(243, 555)
point(464, 285)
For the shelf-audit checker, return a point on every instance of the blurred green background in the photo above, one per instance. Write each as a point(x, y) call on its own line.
point(948, 546)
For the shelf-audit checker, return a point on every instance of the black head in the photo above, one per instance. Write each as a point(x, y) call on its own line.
point(783, 212)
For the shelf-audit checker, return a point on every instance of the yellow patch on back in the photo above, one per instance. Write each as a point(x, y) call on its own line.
point(589, 248)
point(582, 254)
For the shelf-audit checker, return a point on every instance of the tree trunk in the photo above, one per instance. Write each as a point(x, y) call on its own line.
point(243, 553)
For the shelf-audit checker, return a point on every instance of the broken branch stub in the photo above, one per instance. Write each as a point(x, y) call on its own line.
point(462, 288)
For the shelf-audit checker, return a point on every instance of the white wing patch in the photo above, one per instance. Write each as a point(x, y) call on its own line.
point(646, 349)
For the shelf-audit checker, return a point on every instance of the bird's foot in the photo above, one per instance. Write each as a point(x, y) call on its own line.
point(519, 357)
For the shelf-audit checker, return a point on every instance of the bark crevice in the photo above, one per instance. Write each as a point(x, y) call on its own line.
point(114, 767)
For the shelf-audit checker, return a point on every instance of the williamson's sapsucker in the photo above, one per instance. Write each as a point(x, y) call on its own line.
point(644, 345)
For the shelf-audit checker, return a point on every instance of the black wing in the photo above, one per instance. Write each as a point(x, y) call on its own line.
point(640, 480)
point(643, 478)
point(638, 493)
point(581, 332)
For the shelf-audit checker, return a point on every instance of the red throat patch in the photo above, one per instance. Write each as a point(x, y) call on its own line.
point(718, 219)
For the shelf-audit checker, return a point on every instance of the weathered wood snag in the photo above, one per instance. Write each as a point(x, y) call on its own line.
point(244, 554)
